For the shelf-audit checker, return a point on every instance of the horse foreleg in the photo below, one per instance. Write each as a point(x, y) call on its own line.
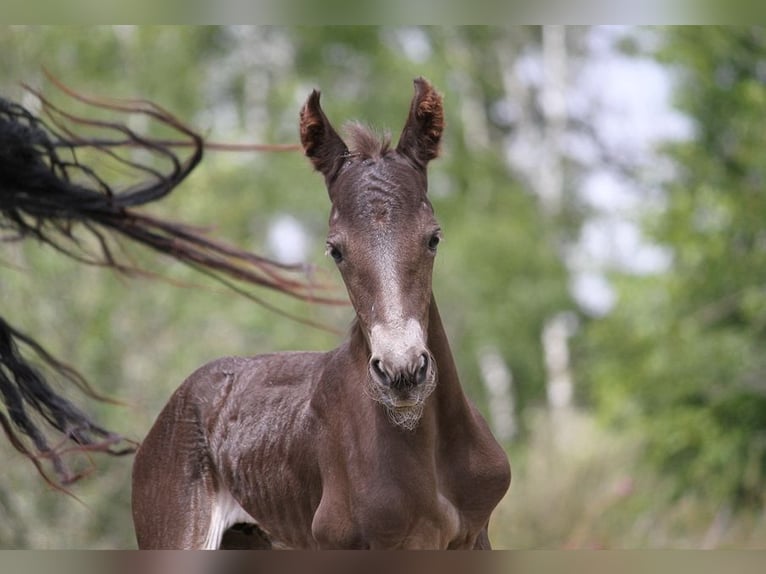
point(174, 490)
point(482, 541)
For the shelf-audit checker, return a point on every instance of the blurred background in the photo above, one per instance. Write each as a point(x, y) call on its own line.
point(602, 279)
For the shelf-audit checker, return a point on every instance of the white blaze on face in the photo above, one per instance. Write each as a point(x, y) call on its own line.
point(402, 372)
point(393, 336)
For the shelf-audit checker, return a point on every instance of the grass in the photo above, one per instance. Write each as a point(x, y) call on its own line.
point(577, 486)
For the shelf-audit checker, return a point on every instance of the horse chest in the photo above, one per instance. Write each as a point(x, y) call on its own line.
point(386, 516)
point(406, 507)
point(478, 477)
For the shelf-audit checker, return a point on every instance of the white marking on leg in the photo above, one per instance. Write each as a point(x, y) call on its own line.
point(226, 512)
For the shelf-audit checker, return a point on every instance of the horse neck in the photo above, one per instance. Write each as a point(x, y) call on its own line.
point(449, 392)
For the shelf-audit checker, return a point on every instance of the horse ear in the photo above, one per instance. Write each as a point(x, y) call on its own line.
point(321, 143)
point(423, 130)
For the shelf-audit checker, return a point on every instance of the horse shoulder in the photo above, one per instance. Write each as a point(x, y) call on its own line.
point(260, 402)
point(261, 435)
point(476, 469)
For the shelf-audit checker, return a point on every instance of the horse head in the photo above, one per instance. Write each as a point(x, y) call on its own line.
point(383, 236)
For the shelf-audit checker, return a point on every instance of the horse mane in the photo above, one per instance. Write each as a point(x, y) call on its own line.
point(366, 143)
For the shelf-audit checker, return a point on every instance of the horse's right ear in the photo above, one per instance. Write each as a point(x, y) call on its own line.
point(321, 143)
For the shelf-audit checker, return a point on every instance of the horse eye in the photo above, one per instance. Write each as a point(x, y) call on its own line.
point(335, 253)
point(433, 243)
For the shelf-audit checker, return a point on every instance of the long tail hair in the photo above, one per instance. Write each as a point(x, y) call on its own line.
point(49, 195)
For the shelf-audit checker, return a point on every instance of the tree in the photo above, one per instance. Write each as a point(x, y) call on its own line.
point(680, 359)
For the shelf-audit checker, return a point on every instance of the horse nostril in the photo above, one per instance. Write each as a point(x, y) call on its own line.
point(379, 371)
point(404, 377)
point(422, 372)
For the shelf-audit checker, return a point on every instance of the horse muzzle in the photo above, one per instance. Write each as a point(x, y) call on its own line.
point(404, 375)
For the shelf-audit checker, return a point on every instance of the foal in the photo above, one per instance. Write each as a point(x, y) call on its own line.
point(371, 445)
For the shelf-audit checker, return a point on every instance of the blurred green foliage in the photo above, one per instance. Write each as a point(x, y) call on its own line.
point(674, 374)
point(681, 358)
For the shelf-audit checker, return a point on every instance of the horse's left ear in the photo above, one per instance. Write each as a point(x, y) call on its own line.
point(423, 130)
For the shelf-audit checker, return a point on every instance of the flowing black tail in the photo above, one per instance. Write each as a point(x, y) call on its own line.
point(48, 194)
point(24, 389)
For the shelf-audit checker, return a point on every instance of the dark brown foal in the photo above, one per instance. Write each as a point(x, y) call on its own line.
point(371, 445)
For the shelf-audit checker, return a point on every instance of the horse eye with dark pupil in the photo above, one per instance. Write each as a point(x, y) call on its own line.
point(336, 254)
point(433, 242)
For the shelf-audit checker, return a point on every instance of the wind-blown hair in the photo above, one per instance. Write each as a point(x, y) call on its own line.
point(48, 194)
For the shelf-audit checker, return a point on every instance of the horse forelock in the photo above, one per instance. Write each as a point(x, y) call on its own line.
point(364, 142)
